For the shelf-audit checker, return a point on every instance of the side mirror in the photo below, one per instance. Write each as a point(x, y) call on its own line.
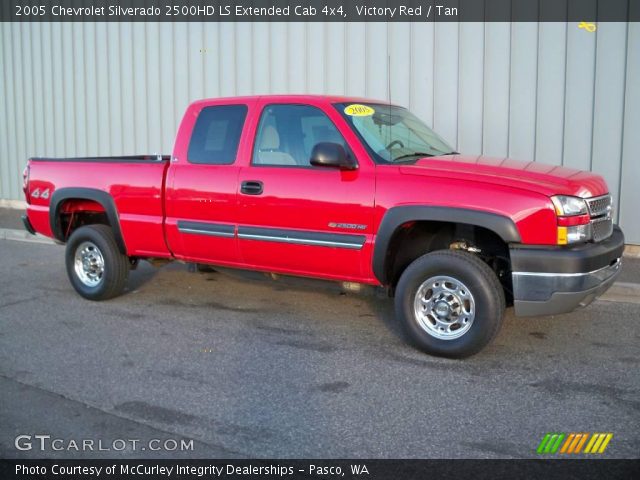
point(327, 154)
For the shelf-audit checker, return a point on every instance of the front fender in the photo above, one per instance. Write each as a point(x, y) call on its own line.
point(502, 226)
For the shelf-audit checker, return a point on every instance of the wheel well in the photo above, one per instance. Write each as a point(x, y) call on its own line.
point(416, 238)
point(73, 207)
point(76, 212)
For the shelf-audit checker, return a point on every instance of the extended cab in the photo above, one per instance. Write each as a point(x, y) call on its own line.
point(344, 189)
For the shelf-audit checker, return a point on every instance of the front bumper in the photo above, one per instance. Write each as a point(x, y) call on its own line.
point(553, 280)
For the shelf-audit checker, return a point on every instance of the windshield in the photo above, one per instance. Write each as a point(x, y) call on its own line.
point(393, 134)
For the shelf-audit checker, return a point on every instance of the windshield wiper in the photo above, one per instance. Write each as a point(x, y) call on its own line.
point(414, 154)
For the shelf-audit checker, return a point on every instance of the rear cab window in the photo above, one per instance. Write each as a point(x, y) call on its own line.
point(216, 135)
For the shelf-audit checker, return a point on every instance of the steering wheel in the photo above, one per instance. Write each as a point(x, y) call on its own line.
point(388, 147)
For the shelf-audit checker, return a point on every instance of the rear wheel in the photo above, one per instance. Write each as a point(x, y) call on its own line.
point(96, 268)
point(450, 303)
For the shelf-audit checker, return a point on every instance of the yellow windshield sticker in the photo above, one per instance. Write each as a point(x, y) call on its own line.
point(357, 110)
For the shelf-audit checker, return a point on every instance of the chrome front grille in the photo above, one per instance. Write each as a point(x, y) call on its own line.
point(602, 228)
point(601, 212)
point(599, 206)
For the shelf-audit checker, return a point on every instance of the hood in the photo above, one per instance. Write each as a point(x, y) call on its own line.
point(533, 176)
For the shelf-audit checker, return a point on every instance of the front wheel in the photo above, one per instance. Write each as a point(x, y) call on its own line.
point(96, 268)
point(450, 303)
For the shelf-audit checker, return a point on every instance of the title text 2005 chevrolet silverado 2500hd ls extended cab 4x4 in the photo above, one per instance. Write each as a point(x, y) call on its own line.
point(345, 189)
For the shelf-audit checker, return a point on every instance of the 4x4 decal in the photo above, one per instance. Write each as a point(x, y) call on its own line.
point(38, 194)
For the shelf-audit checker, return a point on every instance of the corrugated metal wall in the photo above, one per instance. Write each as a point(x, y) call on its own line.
point(550, 92)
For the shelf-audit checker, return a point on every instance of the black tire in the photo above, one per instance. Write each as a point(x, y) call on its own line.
point(114, 275)
point(476, 277)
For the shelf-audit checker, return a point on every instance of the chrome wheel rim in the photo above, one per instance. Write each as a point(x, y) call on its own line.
point(89, 264)
point(444, 307)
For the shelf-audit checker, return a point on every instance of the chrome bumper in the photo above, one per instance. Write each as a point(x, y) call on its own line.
point(551, 280)
point(554, 293)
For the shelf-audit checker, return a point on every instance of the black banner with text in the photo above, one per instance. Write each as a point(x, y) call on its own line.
point(318, 469)
point(320, 11)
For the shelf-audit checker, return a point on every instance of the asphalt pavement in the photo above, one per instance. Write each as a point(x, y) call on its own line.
point(248, 368)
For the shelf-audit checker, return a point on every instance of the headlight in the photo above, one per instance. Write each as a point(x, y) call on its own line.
point(568, 206)
point(574, 222)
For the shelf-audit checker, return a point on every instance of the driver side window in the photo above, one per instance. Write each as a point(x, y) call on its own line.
point(287, 134)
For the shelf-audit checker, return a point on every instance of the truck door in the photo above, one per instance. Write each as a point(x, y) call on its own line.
point(201, 194)
point(297, 218)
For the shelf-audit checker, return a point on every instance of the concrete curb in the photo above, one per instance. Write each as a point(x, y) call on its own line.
point(24, 236)
point(623, 292)
point(13, 204)
point(632, 251)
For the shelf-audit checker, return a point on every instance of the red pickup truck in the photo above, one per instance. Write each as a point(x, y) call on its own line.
point(344, 189)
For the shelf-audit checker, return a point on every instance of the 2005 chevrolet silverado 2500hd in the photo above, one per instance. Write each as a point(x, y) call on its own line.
point(345, 189)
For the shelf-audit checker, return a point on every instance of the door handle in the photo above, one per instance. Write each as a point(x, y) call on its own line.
point(251, 187)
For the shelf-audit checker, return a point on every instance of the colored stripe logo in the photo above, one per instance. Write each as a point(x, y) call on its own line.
point(574, 443)
point(598, 443)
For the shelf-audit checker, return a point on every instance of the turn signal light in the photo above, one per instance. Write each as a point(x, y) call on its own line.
point(574, 234)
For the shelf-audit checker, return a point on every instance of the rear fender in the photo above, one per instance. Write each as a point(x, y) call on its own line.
point(84, 199)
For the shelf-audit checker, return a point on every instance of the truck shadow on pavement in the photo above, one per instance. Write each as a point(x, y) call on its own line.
point(139, 277)
point(288, 310)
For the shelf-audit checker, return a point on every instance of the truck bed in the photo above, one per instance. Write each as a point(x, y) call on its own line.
point(136, 184)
